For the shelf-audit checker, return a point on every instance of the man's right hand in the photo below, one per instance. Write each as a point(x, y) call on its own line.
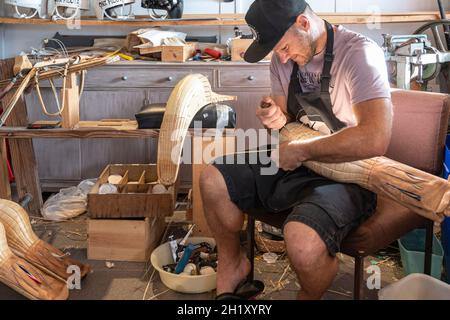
point(271, 117)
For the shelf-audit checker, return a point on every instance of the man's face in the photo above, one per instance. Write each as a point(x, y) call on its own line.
point(296, 45)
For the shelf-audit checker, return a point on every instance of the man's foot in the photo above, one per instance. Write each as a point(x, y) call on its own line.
point(231, 274)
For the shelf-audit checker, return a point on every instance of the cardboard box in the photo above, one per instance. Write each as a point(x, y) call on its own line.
point(135, 198)
point(238, 48)
point(124, 240)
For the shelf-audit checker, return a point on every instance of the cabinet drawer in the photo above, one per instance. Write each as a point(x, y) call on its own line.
point(238, 78)
point(143, 78)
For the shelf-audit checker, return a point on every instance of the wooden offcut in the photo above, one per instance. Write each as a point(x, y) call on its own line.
point(70, 115)
point(124, 240)
point(178, 53)
point(238, 48)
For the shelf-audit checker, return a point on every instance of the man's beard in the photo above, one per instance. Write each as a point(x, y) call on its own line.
point(309, 44)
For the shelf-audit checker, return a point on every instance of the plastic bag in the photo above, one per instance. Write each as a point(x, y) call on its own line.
point(68, 203)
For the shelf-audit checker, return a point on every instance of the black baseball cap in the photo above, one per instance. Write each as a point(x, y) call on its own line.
point(269, 20)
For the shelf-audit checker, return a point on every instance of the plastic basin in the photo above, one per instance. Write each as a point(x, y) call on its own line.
point(178, 282)
point(416, 286)
point(412, 251)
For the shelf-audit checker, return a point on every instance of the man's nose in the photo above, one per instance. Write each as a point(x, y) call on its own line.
point(284, 57)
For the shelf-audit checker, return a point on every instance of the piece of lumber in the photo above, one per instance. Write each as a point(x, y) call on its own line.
point(22, 152)
point(238, 19)
point(71, 112)
point(5, 187)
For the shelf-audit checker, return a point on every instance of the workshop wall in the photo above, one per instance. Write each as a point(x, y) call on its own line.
point(15, 38)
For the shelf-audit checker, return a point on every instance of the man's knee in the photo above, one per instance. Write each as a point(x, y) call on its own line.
point(212, 184)
point(304, 246)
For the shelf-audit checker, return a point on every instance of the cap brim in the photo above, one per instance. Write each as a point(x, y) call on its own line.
point(257, 52)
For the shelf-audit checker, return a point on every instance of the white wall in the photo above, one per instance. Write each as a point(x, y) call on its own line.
point(15, 38)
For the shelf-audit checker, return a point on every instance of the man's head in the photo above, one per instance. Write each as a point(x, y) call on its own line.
point(289, 27)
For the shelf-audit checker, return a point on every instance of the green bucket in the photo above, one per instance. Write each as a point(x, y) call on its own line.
point(412, 251)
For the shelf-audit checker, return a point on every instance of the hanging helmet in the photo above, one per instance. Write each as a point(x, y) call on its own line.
point(114, 9)
point(173, 9)
point(34, 7)
point(69, 9)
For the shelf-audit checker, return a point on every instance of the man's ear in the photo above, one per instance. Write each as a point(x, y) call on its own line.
point(302, 22)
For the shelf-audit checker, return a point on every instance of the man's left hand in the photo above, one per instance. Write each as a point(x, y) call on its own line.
point(289, 155)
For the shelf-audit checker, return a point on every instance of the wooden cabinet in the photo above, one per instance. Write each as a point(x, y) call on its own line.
point(119, 91)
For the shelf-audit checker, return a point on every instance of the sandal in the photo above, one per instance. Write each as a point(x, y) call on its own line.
point(246, 290)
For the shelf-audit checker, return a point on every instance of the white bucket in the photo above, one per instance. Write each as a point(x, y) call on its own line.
point(178, 282)
point(416, 286)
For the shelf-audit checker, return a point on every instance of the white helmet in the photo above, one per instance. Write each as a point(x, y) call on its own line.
point(69, 9)
point(114, 9)
point(35, 7)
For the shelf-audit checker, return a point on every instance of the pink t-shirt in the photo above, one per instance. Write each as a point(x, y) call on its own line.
point(358, 74)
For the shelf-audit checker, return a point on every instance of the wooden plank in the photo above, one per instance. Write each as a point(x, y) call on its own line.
point(224, 145)
point(124, 240)
point(236, 19)
point(5, 188)
point(22, 151)
point(71, 112)
point(88, 129)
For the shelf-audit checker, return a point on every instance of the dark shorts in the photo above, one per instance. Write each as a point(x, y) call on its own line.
point(332, 209)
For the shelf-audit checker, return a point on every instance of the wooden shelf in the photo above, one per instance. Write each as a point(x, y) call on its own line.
point(236, 19)
point(85, 129)
point(96, 129)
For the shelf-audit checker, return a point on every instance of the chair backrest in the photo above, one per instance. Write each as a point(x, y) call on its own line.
point(419, 129)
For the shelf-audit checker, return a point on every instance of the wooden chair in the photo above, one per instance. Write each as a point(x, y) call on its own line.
point(418, 138)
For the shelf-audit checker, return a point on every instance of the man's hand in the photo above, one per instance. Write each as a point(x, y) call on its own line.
point(289, 155)
point(271, 117)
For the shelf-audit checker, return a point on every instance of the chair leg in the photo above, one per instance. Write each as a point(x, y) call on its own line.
point(359, 277)
point(428, 247)
point(251, 246)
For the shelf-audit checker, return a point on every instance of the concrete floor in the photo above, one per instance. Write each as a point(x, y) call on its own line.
point(130, 281)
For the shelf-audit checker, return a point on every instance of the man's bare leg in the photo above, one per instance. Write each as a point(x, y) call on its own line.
point(225, 220)
point(309, 257)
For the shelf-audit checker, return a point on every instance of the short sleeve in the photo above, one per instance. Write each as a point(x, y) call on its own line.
point(367, 76)
point(275, 79)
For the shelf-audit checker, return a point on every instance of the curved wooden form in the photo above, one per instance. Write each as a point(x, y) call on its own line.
point(423, 193)
point(24, 278)
point(191, 94)
point(24, 243)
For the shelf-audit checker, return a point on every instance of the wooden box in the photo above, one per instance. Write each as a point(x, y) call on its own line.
point(238, 48)
point(135, 198)
point(124, 240)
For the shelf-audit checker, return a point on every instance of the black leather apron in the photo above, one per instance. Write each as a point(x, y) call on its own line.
point(280, 192)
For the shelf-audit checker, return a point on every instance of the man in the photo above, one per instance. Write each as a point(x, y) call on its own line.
point(335, 81)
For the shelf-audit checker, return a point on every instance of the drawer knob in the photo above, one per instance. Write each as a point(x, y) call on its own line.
point(251, 78)
point(124, 78)
point(170, 78)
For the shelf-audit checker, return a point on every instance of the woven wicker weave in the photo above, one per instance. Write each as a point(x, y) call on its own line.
point(423, 193)
point(190, 94)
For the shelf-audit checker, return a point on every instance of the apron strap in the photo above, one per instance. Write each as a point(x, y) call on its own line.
point(328, 59)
